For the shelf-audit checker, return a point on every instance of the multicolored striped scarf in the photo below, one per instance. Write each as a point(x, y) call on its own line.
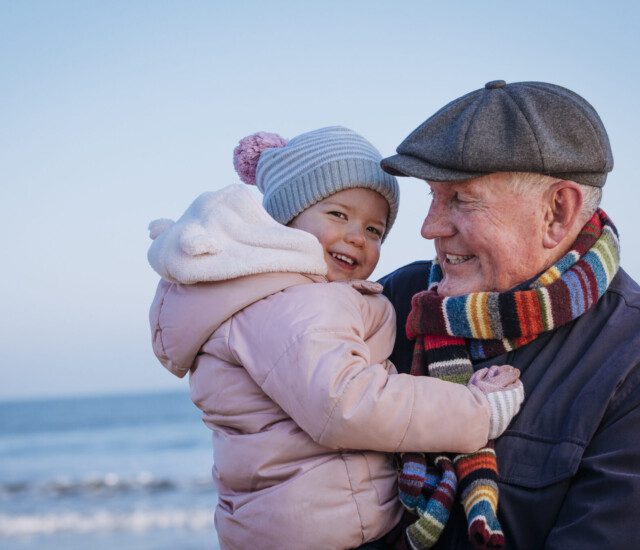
point(451, 332)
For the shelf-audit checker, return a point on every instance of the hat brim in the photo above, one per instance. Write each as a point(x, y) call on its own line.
point(585, 178)
point(406, 165)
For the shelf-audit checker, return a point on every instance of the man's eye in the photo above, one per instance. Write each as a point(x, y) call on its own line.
point(457, 198)
point(375, 231)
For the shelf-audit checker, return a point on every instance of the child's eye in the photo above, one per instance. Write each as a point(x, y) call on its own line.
point(338, 214)
point(375, 231)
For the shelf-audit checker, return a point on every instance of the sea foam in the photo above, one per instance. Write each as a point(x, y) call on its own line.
point(104, 521)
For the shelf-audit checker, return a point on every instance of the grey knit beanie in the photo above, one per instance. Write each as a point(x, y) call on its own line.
point(297, 174)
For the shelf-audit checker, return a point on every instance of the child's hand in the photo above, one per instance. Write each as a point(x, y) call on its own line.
point(502, 387)
point(365, 287)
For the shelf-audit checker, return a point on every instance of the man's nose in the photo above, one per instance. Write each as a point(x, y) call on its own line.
point(437, 223)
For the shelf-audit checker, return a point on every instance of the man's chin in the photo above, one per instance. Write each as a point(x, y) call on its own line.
point(450, 286)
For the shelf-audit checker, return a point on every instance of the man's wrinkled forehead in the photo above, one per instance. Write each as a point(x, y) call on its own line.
point(487, 182)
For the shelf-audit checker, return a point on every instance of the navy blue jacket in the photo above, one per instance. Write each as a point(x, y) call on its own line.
point(570, 461)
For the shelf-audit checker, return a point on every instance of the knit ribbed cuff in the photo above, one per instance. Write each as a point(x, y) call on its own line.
point(504, 404)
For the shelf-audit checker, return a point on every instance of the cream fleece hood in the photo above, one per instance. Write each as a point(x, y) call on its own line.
point(227, 234)
point(223, 254)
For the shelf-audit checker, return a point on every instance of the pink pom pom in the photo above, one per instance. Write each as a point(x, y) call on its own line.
point(247, 154)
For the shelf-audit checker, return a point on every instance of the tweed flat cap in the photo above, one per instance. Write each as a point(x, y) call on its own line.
point(519, 127)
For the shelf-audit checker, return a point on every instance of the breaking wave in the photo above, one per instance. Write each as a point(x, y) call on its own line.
point(109, 483)
point(138, 521)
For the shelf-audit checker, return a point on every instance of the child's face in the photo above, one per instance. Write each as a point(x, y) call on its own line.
point(349, 225)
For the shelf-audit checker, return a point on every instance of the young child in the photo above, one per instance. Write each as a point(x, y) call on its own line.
point(286, 345)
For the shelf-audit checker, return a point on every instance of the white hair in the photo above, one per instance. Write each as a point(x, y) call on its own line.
point(526, 182)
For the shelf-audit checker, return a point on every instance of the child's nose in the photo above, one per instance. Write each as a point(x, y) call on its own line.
point(356, 236)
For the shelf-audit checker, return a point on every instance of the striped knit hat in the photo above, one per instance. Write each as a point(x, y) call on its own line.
point(297, 174)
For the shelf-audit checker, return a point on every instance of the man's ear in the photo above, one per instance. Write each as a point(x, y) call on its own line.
point(563, 202)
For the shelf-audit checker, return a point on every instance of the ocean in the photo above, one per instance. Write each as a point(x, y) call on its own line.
point(120, 472)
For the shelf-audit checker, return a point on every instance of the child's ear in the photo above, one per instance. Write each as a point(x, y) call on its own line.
point(563, 202)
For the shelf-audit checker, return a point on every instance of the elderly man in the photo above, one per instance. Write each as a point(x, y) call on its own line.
point(527, 274)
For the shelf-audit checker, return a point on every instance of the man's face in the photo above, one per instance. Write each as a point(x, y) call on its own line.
point(487, 237)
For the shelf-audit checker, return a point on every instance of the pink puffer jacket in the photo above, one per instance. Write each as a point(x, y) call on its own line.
point(291, 375)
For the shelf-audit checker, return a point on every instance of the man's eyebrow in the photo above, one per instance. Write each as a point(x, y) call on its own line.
point(467, 191)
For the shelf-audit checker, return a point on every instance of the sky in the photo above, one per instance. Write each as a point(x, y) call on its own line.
point(115, 113)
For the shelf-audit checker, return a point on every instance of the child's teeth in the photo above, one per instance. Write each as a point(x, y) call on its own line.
point(343, 258)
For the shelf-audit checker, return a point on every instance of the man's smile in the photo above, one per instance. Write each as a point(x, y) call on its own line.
point(456, 259)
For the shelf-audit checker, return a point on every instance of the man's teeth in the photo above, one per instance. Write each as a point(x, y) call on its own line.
point(344, 258)
point(455, 259)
